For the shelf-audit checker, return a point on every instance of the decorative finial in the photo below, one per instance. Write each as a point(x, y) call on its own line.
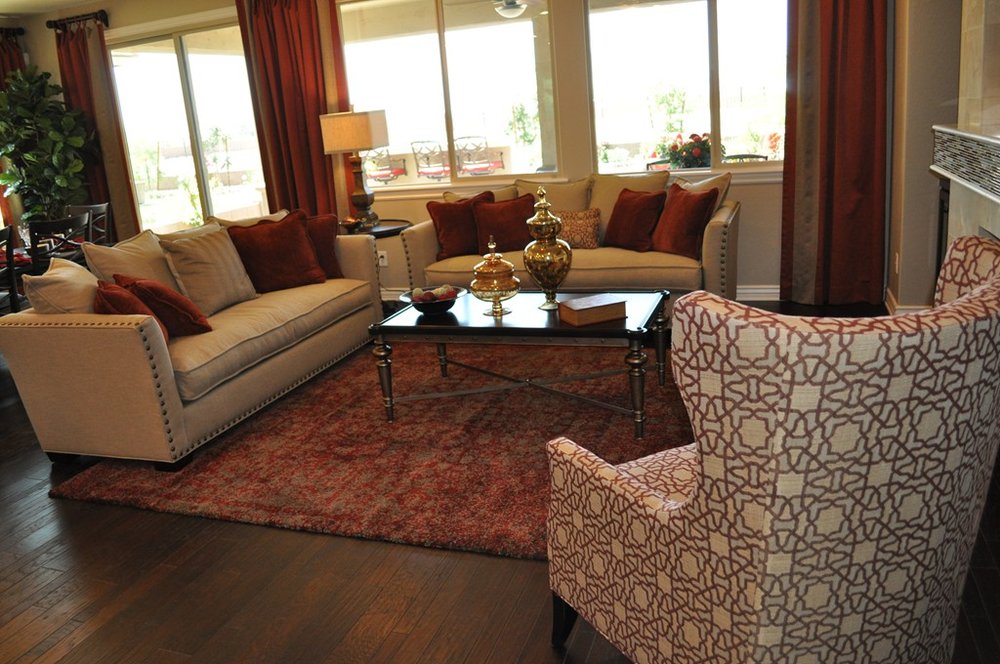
point(492, 246)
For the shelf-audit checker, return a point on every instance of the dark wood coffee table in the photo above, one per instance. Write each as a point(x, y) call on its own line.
point(526, 324)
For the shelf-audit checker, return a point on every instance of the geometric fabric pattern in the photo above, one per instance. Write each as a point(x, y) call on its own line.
point(841, 470)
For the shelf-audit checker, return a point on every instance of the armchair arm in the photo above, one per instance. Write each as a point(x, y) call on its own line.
point(95, 384)
point(358, 260)
point(719, 251)
point(421, 247)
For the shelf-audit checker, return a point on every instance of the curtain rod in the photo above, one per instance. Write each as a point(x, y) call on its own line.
point(11, 32)
point(101, 16)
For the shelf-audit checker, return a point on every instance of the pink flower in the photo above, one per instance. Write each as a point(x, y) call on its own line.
point(696, 152)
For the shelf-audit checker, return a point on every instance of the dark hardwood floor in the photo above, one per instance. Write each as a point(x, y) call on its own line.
point(97, 583)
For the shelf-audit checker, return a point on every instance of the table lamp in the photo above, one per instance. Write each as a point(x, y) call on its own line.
point(353, 132)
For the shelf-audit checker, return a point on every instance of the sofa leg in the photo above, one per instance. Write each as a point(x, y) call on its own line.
point(172, 467)
point(563, 617)
point(62, 457)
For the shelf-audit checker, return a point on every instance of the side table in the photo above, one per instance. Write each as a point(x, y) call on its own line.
point(394, 279)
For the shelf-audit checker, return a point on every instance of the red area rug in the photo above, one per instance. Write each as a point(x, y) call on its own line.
point(464, 473)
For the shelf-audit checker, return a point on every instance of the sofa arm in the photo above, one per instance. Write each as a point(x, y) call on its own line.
point(94, 384)
point(358, 260)
point(719, 251)
point(420, 245)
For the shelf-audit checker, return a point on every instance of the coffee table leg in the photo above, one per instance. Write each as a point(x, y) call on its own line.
point(637, 384)
point(383, 360)
point(660, 341)
point(443, 359)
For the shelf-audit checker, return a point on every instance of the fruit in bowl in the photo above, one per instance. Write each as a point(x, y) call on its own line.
point(433, 301)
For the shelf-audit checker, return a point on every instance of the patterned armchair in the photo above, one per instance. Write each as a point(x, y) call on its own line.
point(830, 503)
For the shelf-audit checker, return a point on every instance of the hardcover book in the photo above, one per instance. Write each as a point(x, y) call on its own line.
point(592, 309)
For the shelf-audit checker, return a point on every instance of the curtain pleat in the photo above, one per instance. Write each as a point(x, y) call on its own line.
point(85, 72)
point(11, 59)
point(833, 203)
point(282, 41)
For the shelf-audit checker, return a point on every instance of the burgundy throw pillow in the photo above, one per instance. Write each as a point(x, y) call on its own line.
point(177, 312)
point(278, 254)
point(683, 221)
point(506, 222)
point(633, 219)
point(455, 225)
point(113, 299)
point(323, 230)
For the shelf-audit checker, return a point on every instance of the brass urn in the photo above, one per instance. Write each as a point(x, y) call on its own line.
point(494, 281)
point(547, 259)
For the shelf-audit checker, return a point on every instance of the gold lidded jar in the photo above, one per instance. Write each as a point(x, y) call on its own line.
point(494, 281)
point(548, 258)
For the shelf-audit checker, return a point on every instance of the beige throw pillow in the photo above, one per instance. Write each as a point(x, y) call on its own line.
point(207, 227)
point(580, 228)
point(248, 221)
point(65, 288)
point(209, 271)
point(569, 196)
point(720, 182)
point(502, 194)
point(139, 256)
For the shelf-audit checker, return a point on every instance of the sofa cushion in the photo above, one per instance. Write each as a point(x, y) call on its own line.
point(251, 331)
point(507, 193)
point(604, 193)
point(682, 224)
point(580, 228)
point(113, 299)
point(139, 256)
point(208, 270)
point(594, 270)
point(455, 225)
point(65, 288)
point(278, 254)
point(633, 220)
point(560, 195)
point(504, 222)
point(323, 230)
point(178, 313)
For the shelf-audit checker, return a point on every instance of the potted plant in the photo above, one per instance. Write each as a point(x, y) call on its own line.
point(45, 145)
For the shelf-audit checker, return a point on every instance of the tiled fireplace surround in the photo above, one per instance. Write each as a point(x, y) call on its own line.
point(971, 160)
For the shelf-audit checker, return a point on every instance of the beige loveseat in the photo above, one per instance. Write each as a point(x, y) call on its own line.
point(603, 268)
point(108, 385)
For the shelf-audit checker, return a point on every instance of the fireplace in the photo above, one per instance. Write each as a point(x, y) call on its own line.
point(970, 160)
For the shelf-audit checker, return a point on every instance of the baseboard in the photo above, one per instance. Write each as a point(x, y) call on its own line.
point(392, 294)
point(766, 292)
point(894, 307)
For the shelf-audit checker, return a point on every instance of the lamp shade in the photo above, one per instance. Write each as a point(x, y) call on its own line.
point(353, 131)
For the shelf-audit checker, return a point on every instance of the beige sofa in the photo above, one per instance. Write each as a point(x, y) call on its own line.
point(603, 268)
point(108, 385)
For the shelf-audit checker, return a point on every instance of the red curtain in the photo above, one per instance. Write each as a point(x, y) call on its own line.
point(833, 211)
point(282, 43)
point(11, 59)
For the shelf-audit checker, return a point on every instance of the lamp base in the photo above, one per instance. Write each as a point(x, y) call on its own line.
point(362, 197)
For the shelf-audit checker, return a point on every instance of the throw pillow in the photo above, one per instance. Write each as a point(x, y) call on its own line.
point(323, 230)
point(572, 196)
point(455, 225)
point(65, 288)
point(507, 193)
point(278, 254)
point(683, 220)
point(248, 221)
point(139, 256)
point(209, 271)
point(580, 228)
point(192, 231)
point(112, 299)
point(177, 313)
point(720, 182)
point(604, 193)
point(632, 221)
point(505, 221)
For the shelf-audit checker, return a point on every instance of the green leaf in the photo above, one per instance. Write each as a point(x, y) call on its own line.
point(62, 181)
point(75, 141)
point(75, 167)
point(8, 179)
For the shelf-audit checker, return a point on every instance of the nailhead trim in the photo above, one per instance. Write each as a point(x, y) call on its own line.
point(409, 262)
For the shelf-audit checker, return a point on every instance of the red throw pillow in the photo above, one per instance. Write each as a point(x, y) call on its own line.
point(506, 222)
point(177, 312)
point(113, 299)
point(323, 230)
point(633, 219)
point(278, 254)
point(455, 225)
point(683, 221)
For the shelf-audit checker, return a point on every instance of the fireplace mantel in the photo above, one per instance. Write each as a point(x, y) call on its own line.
point(971, 160)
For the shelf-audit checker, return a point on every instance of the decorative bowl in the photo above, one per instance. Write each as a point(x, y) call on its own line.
point(435, 306)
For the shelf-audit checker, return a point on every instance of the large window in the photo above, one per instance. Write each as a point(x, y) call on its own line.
point(468, 101)
point(189, 125)
point(653, 84)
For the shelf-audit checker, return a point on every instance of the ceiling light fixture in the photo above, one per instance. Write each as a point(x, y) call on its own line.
point(509, 8)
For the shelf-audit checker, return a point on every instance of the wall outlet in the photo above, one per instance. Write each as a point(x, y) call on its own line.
point(383, 258)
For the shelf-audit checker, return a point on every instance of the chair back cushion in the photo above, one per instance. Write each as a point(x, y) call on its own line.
point(970, 262)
